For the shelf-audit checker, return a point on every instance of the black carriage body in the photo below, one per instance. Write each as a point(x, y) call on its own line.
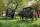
point(27, 12)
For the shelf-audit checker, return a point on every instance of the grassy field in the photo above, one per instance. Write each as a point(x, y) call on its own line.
point(19, 23)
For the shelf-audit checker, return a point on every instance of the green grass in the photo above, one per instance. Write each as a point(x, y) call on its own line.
point(19, 23)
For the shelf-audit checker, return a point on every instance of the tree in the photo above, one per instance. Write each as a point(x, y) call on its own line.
point(1, 7)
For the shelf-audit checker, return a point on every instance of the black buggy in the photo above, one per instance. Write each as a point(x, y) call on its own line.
point(27, 13)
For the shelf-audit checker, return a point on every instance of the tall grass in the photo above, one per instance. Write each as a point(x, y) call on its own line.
point(18, 24)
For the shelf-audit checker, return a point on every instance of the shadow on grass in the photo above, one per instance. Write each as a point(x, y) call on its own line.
point(25, 21)
point(35, 25)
